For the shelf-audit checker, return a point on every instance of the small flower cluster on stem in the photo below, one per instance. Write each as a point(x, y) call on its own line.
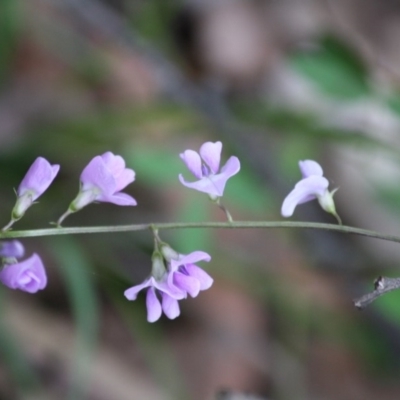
point(102, 180)
point(173, 276)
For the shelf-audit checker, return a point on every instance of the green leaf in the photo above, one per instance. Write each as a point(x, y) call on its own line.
point(334, 68)
point(75, 269)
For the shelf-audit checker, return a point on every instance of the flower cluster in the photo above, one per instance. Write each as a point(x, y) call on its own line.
point(173, 276)
point(101, 181)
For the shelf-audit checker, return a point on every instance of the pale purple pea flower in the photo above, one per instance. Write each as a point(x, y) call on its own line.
point(158, 287)
point(28, 275)
point(102, 181)
point(36, 181)
point(172, 282)
point(189, 277)
point(313, 186)
point(205, 167)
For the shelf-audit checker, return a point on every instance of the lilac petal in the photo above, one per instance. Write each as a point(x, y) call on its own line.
point(11, 248)
point(114, 163)
point(200, 275)
point(124, 178)
point(96, 174)
point(38, 178)
point(170, 306)
point(204, 185)
point(153, 305)
point(131, 293)
point(187, 283)
point(28, 275)
point(211, 154)
point(120, 199)
point(191, 258)
point(167, 286)
point(309, 168)
point(231, 168)
point(305, 190)
point(193, 162)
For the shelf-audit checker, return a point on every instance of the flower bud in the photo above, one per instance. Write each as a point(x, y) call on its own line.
point(11, 248)
point(168, 252)
point(158, 269)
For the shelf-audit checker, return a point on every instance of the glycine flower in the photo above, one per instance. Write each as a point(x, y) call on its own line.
point(36, 181)
point(172, 282)
point(189, 277)
point(205, 167)
point(158, 284)
point(313, 186)
point(102, 181)
point(28, 275)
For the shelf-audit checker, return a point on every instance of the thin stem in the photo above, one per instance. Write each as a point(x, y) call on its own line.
point(225, 210)
point(382, 285)
point(339, 220)
point(8, 226)
point(199, 225)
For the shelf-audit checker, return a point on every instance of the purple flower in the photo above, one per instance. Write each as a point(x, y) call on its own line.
point(164, 288)
point(11, 248)
point(313, 186)
point(36, 181)
point(102, 180)
point(187, 276)
point(171, 283)
point(205, 167)
point(28, 275)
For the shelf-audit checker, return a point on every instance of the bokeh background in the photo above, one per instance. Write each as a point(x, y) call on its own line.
point(276, 82)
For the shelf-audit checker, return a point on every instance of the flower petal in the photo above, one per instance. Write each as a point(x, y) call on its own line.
point(97, 174)
point(124, 178)
point(211, 154)
point(120, 199)
point(153, 305)
point(192, 258)
point(200, 275)
point(204, 185)
point(232, 167)
point(38, 178)
point(305, 190)
point(309, 168)
point(170, 306)
point(187, 283)
point(167, 286)
point(193, 162)
point(131, 293)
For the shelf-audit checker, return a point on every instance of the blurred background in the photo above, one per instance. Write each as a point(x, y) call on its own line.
point(276, 82)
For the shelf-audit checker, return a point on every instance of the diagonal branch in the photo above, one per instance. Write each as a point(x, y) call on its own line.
point(382, 285)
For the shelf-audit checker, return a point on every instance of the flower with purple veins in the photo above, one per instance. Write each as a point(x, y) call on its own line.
point(189, 277)
point(313, 186)
point(38, 178)
point(102, 181)
point(28, 275)
point(206, 168)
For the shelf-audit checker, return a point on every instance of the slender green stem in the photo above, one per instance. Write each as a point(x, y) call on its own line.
point(198, 225)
